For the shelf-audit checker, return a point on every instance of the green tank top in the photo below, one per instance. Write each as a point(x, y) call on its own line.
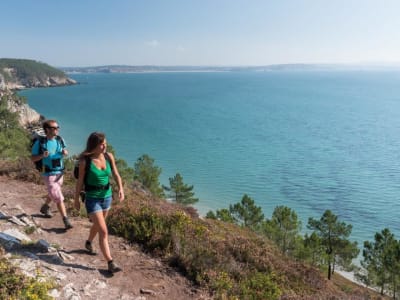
point(97, 177)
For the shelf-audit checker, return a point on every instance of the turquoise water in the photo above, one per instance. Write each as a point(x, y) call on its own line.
point(308, 140)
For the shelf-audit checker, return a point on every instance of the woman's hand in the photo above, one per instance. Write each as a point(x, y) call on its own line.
point(121, 195)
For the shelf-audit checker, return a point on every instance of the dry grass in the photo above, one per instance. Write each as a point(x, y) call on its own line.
point(223, 257)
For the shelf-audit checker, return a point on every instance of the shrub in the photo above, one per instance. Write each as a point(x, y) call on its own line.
point(14, 285)
point(259, 286)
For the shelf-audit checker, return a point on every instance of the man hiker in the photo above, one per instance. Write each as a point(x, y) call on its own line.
point(48, 152)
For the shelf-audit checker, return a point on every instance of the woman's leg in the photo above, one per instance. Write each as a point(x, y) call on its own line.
point(93, 230)
point(99, 226)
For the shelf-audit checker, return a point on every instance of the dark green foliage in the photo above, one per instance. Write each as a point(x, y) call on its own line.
point(382, 262)
point(222, 215)
point(283, 228)
point(28, 70)
point(180, 192)
point(14, 140)
point(148, 174)
point(334, 238)
point(259, 286)
point(315, 251)
point(244, 213)
point(247, 213)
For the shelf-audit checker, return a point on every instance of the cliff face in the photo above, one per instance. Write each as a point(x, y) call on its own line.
point(27, 115)
point(13, 82)
point(17, 74)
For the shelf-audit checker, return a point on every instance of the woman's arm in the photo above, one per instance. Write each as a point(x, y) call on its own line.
point(117, 177)
point(80, 182)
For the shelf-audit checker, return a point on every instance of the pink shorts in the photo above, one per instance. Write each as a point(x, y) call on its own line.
point(53, 184)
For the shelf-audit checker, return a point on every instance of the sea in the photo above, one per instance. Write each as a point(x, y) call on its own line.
point(309, 140)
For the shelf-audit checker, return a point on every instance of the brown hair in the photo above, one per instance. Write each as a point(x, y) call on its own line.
point(46, 124)
point(94, 139)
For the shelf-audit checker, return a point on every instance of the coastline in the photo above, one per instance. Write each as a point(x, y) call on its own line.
point(350, 276)
point(347, 275)
point(346, 194)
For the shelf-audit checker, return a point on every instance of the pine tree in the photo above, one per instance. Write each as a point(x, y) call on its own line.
point(222, 215)
point(247, 213)
point(180, 192)
point(334, 236)
point(382, 261)
point(148, 174)
point(284, 228)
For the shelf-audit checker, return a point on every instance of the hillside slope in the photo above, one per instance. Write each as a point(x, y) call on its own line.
point(77, 273)
point(25, 73)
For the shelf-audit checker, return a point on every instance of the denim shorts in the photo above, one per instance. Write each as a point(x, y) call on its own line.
point(97, 204)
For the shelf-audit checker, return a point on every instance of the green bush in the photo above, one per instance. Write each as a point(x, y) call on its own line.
point(14, 285)
point(259, 286)
point(228, 266)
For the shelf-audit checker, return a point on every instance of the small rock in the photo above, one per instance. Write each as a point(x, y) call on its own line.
point(54, 293)
point(147, 291)
point(8, 241)
point(27, 221)
point(3, 215)
point(31, 255)
point(43, 245)
point(65, 256)
point(61, 276)
point(18, 207)
point(17, 221)
point(17, 235)
point(70, 293)
point(100, 284)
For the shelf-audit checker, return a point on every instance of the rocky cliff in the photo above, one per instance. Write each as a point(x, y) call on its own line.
point(27, 115)
point(17, 74)
point(9, 80)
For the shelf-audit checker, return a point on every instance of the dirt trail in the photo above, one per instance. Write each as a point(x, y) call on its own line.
point(83, 276)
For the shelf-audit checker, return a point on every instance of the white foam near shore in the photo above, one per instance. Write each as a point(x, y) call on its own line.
point(350, 276)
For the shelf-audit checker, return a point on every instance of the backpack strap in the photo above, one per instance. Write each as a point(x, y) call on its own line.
point(107, 157)
point(88, 160)
point(60, 140)
point(42, 144)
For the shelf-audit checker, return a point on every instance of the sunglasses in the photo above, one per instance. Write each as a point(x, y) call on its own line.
point(54, 128)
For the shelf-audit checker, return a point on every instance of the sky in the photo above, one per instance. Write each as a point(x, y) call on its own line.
point(78, 33)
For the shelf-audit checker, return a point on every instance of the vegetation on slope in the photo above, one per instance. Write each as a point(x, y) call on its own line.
point(28, 70)
point(227, 254)
point(14, 140)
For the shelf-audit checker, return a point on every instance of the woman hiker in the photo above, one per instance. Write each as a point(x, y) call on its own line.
point(95, 167)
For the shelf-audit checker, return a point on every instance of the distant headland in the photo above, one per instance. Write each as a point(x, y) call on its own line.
point(17, 74)
point(267, 68)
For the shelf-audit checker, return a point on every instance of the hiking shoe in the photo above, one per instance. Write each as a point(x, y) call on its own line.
point(45, 209)
point(113, 268)
point(67, 223)
point(89, 248)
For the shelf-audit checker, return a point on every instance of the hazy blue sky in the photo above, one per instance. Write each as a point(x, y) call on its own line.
point(200, 32)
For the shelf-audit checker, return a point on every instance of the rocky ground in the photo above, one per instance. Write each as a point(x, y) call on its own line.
point(60, 254)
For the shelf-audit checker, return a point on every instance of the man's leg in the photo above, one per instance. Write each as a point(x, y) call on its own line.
point(45, 208)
